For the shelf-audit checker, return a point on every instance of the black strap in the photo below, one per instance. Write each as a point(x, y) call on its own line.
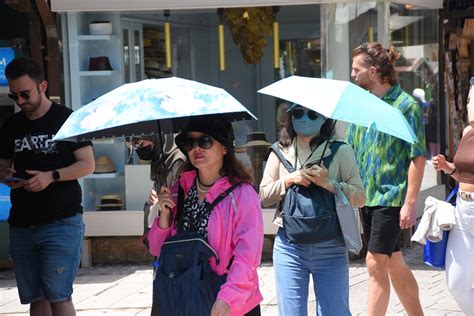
point(334, 146)
point(180, 206)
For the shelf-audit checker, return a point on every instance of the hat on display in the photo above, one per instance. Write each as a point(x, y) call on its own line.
point(254, 139)
point(112, 202)
point(99, 63)
point(104, 164)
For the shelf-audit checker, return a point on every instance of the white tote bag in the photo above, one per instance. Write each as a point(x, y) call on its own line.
point(348, 221)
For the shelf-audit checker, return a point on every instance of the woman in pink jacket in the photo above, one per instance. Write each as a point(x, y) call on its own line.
point(233, 228)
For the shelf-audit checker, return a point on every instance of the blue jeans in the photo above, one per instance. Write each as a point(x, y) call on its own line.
point(46, 258)
point(327, 262)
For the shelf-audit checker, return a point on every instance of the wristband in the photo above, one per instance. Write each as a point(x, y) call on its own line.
point(450, 174)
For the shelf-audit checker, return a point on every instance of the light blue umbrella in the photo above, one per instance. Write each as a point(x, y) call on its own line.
point(148, 107)
point(344, 101)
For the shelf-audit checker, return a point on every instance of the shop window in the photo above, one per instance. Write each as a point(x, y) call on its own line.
point(300, 57)
point(415, 35)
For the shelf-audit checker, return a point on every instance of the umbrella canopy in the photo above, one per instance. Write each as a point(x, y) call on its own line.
point(345, 101)
point(148, 107)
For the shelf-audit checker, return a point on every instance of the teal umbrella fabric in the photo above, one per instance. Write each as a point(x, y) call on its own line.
point(148, 107)
point(344, 101)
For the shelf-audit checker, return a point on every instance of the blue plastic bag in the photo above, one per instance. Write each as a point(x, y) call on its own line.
point(434, 253)
point(5, 203)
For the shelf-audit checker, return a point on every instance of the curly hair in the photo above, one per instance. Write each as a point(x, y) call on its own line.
point(383, 59)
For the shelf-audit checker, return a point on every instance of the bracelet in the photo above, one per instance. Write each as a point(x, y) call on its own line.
point(450, 174)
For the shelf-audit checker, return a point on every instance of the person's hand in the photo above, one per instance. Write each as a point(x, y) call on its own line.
point(39, 180)
point(6, 172)
point(220, 308)
point(299, 177)
point(407, 216)
point(439, 162)
point(319, 175)
point(165, 200)
point(152, 197)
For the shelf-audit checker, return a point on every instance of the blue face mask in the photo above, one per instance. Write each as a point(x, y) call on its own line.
point(305, 126)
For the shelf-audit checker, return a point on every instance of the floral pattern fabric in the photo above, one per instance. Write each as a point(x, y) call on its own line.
point(195, 214)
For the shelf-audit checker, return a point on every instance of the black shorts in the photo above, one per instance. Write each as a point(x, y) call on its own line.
point(381, 228)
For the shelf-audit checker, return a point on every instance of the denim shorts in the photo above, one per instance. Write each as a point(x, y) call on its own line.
point(46, 258)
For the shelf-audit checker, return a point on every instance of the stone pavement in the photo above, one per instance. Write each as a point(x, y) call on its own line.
point(127, 290)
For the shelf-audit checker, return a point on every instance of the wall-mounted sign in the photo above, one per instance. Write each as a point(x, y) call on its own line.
point(6, 55)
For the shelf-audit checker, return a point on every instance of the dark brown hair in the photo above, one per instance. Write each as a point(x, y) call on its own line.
point(287, 133)
point(232, 168)
point(381, 58)
point(23, 66)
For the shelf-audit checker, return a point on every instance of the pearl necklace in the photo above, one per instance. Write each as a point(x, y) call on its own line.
point(200, 189)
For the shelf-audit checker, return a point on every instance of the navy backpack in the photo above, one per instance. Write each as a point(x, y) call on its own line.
point(309, 213)
point(184, 284)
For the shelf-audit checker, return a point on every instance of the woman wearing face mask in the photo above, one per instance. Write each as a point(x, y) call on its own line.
point(302, 144)
point(460, 249)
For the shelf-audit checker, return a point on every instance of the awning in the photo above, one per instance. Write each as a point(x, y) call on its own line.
point(144, 5)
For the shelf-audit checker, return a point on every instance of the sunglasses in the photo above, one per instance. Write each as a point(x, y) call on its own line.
point(24, 95)
point(204, 142)
point(298, 113)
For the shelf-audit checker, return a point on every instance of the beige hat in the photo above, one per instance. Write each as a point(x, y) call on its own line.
point(104, 164)
point(254, 139)
point(112, 202)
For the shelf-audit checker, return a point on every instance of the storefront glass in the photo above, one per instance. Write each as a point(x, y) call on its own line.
point(315, 41)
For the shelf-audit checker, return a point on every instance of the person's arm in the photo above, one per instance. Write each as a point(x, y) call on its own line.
point(83, 166)
point(163, 225)
point(415, 177)
point(417, 152)
point(247, 253)
point(351, 184)
point(272, 188)
point(6, 170)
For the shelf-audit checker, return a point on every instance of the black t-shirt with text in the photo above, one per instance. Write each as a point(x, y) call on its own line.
point(29, 144)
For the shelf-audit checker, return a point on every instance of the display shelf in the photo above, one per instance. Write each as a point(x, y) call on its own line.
point(96, 37)
point(87, 86)
point(104, 175)
point(98, 73)
point(105, 141)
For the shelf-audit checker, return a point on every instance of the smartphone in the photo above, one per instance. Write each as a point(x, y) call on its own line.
point(13, 179)
point(311, 165)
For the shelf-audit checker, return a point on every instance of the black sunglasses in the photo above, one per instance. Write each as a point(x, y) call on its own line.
point(298, 113)
point(204, 142)
point(25, 95)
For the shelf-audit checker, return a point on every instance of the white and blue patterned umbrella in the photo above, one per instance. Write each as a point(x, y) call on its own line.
point(147, 107)
point(344, 101)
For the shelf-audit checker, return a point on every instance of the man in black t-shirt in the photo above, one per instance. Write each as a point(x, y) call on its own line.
point(46, 227)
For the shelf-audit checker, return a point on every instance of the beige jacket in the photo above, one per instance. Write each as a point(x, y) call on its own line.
point(343, 170)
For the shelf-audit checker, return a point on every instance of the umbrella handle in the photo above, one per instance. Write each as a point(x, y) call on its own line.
point(327, 143)
point(161, 142)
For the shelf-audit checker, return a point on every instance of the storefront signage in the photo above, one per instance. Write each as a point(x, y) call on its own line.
point(126, 5)
point(6, 55)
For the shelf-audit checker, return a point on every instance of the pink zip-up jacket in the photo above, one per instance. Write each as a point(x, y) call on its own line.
point(235, 229)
